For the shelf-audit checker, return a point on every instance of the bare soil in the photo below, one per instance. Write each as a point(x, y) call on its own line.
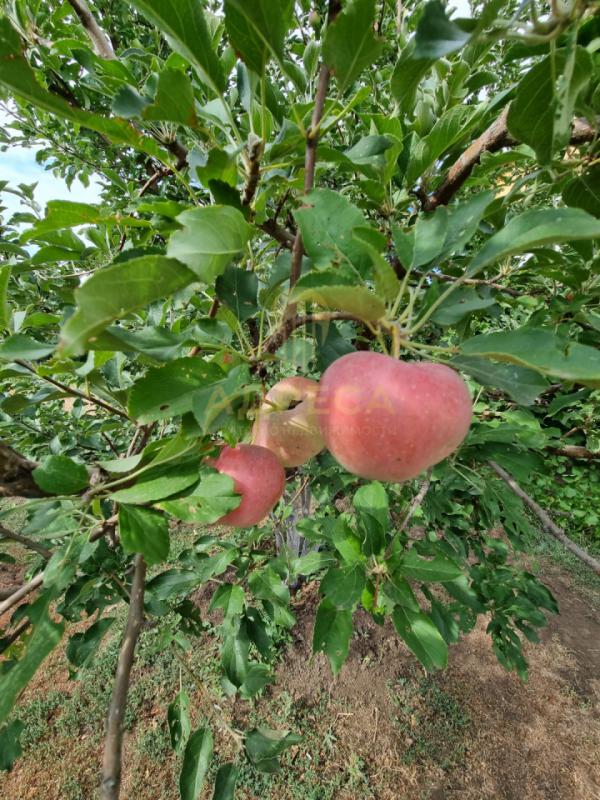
point(473, 732)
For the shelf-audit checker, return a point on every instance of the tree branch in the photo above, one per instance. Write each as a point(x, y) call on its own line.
point(100, 41)
point(491, 140)
point(255, 151)
point(5, 533)
point(312, 142)
point(281, 235)
point(550, 526)
point(111, 764)
point(15, 474)
point(282, 334)
point(26, 589)
point(574, 451)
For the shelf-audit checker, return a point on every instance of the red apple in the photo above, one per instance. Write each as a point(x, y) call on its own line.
point(290, 431)
point(389, 420)
point(257, 475)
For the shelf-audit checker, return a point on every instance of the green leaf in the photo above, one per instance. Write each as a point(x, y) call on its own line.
point(464, 301)
point(185, 27)
point(536, 114)
point(159, 484)
point(257, 29)
point(18, 78)
point(522, 385)
point(114, 292)
point(540, 350)
point(120, 466)
point(211, 403)
point(332, 633)
point(10, 744)
point(436, 35)
point(450, 128)
point(326, 223)
point(82, 646)
point(438, 568)
point(225, 781)
point(196, 760)
point(583, 191)
point(211, 499)
point(46, 635)
point(533, 229)
point(350, 46)
point(24, 347)
point(372, 506)
point(421, 636)
point(178, 720)
point(408, 74)
point(61, 214)
point(343, 586)
point(173, 582)
point(238, 289)
point(61, 475)
point(263, 746)
point(330, 290)
point(230, 599)
point(144, 531)
point(211, 238)
point(431, 231)
point(368, 149)
point(400, 593)
point(174, 99)
point(387, 283)
point(168, 391)
point(234, 657)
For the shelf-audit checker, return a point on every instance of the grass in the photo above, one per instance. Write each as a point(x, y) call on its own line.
point(432, 723)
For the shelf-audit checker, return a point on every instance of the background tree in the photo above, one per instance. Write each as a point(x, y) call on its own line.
point(284, 184)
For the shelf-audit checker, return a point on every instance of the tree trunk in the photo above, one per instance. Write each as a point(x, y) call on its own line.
point(286, 532)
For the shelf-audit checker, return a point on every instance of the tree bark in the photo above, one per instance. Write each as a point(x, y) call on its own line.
point(15, 474)
point(113, 744)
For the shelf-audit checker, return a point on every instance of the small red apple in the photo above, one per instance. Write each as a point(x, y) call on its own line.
point(257, 475)
point(290, 431)
point(389, 420)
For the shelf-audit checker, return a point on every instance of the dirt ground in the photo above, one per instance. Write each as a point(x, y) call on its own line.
point(473, 732)
point(538, 740)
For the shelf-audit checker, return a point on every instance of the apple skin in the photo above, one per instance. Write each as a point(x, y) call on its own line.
point(257, 475)
point(389, 420)
point(293, 434)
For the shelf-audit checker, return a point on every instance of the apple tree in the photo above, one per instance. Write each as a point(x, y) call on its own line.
point(392, 195)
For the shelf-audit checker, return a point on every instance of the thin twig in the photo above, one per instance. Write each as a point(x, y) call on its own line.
point(72, 391)
point(5, 533)
point(545, 519)
point(110, 443)
point(10, 638)
point(417, 500)
point(26, 589)
point(111, 764)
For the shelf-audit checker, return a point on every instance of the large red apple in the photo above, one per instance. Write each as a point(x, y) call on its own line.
point(287, 422)
point(257, 475)
point(389, 420)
